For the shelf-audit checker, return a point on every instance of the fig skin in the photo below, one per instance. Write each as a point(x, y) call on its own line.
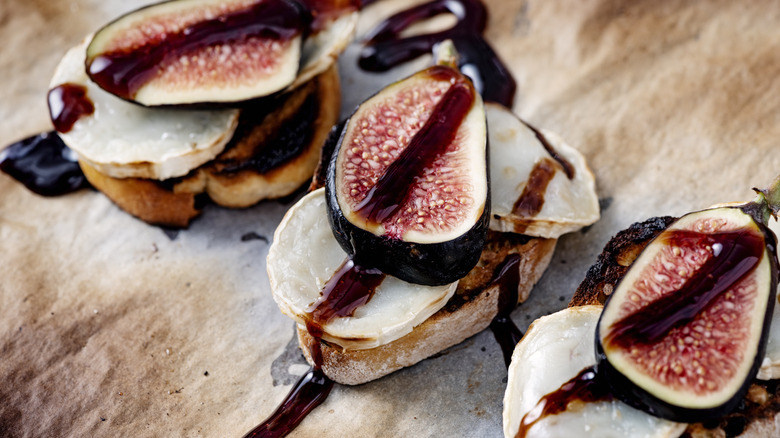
point(632, 394)
point(429, 264)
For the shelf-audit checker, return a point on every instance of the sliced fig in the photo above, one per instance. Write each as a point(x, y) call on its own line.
point(408, 182)
point(194, 51)
point(684, 332)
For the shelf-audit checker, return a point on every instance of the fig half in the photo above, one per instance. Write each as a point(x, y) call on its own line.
point(195, 51)
point(407, 184)
point(683, 334)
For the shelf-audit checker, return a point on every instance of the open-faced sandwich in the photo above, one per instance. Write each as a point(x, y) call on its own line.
point(674, 332)
point(405, 252)
point(193, 99)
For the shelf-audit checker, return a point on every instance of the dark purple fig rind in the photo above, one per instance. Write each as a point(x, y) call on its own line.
point(431, 264)
point(630, 393)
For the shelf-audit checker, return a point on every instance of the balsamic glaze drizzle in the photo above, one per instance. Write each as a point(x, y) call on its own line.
point(531, 200)
point(385, 49)
point(741, 251)
point(587, 386)
point(392, 189)
point(348, 288)
point(67, 103)
point(507, 278)
point(308, 393)
point(568, 168)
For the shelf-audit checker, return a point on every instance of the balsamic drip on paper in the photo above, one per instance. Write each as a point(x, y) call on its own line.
point(349, 288)
point(44, 165)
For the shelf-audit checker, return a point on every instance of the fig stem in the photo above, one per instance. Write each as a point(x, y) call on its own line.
point(767, 202)
point(446, 54)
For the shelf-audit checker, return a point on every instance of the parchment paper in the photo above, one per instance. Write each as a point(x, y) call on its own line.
point(111, 327)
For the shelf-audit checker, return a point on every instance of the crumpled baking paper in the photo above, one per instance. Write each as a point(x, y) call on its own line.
point(111, 327)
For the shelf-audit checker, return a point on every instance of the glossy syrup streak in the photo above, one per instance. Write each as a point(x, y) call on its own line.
point(44, 165)
point(507, 278)
point(587, 386)
point(311, 390)
point(124, 72)
point(531, 200)
point(740, 254)
point(68, 103)
point(568, 168)
point(349, 288)
point(390, 192)
point(385, 48)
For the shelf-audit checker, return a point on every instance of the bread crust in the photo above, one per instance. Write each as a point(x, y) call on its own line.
point(145, 198)
point(176, 202)
point(758, 415)
point(468, 312)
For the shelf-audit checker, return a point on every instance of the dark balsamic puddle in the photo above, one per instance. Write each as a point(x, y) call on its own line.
point(385, 48)
point(44, 165)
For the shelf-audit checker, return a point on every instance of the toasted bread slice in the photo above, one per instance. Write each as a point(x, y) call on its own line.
point(147, 199)
point(759, 413)
point(467, 313)
point(273, 152)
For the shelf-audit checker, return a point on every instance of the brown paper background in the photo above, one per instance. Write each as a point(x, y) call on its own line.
point(108, 326)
